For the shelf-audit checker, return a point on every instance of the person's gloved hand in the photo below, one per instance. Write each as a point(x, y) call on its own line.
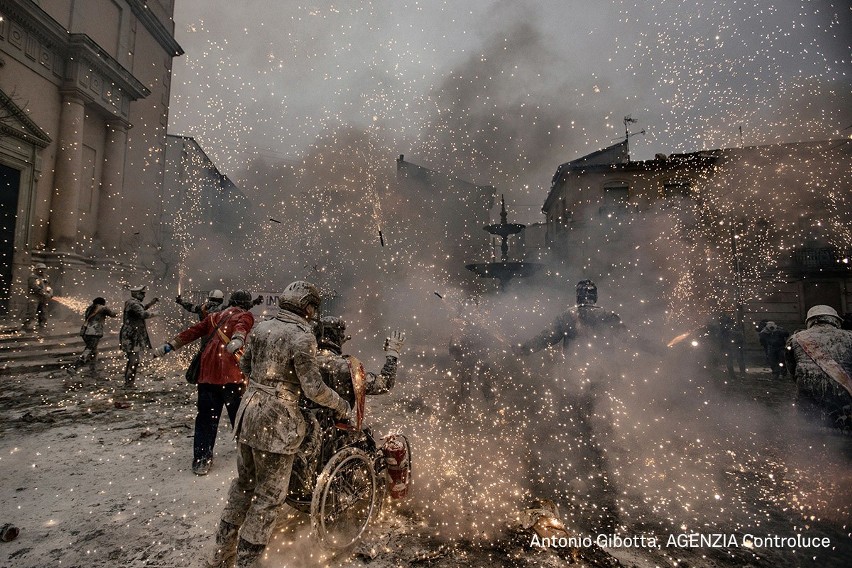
point(178, 300)
point(234, 345)
point(257, 301)
point(345, 413)
point(393, 344)
point(163, 349)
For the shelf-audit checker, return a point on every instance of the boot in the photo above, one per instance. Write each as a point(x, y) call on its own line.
point(226, 546)
point(248, 554)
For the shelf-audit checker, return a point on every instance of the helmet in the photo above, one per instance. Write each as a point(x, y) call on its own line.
point(216, 296)
point(587, 293)
point(239, 298)
point(823, 314)
point(99, 301)
point(138, 292)
point(298, 296)
point(40, 266)
point(331, 332)
point(771, 326)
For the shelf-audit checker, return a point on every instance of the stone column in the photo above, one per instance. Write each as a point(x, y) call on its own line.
point(66, 178)
point(112, 184)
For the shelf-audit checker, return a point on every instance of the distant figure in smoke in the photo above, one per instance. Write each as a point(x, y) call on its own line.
point(39, 294)
point(471, 347)
point(133, 336)
point(215, 302)
point(280, 363)
point(220, 381)
point(730, 340)
point(92, 331)
point(820, 359)
point(773, 339)
point(584, 319)
point(595, 333)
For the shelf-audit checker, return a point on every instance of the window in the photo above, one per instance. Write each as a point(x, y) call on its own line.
point(676, 190)
point(615, 198)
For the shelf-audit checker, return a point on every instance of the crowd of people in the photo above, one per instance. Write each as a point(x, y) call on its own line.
point(260, 373)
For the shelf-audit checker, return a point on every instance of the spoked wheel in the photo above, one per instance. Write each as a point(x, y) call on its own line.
point(344, 498)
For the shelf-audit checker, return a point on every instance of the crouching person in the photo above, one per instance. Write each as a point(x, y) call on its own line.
point(280, 362)
point(220, 381)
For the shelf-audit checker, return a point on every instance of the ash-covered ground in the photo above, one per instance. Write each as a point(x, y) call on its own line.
point(94, 476)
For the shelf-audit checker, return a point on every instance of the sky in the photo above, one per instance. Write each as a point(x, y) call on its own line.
point(502, 92)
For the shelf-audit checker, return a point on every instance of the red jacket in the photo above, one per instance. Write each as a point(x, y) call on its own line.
point(218, 367)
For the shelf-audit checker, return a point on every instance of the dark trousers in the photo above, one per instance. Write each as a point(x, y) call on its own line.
point(775, 358)
point(90, 354)
point(211, 399)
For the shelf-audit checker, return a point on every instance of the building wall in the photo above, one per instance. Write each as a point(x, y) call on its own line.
point(146, 141)
point(106, 64)
point(800, 189)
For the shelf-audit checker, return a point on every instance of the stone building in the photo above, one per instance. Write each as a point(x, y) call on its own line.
point(199, 201)
point(84, 99)
point(762, 231)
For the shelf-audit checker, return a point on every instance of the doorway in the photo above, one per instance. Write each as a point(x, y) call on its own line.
point(10, 186)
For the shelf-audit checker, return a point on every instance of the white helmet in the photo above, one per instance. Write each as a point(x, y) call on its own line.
point(40, 266)
point(824, 313)
point(216, 296)
point(298, 296)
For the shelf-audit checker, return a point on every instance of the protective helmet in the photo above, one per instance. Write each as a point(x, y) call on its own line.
point(771, 326)
point(40, 266)
point(587, 293)
point(99, 301)
point(298, 296)
point(823, 314)
point(331, 332)
point(240, 298)
point(138, 292)
point(216, 296)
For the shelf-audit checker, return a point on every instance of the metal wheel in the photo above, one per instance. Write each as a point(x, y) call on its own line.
point(344, 498)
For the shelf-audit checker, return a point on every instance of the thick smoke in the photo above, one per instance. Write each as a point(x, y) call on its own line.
point(667, 443)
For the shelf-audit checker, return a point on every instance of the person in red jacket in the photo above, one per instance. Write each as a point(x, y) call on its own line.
point(220, 381)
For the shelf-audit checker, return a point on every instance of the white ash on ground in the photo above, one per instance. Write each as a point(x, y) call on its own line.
point(96, 476)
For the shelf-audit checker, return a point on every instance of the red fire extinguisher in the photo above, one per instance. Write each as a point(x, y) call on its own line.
point(397, 455)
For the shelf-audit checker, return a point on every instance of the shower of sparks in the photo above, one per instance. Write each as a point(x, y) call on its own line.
point(74, 304)
point(308, 130)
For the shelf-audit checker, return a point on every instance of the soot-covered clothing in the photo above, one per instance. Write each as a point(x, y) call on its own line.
point(280, 362)
point(576, 322)
point(829, 344)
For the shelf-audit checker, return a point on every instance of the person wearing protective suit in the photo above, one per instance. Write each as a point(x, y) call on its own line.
point(588, 333)
point(220, 381)
point(773, 339)
point(583, 319)
point(338, 370)
point(280, 361)
point(92, 331)
point(133, 336)
point(346, 376)
point(215, 302)
point(820, 359)
point(39, 294)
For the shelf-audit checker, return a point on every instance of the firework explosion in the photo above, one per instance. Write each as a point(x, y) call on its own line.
point(308, 109)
